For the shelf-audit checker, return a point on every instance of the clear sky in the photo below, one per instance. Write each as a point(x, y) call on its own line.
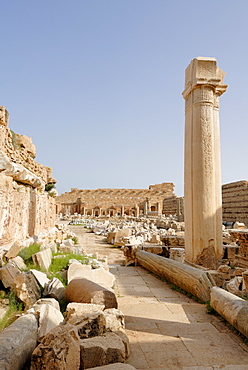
point(97, 85)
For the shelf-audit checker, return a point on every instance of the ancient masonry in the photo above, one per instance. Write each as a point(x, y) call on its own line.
point(204, 84)
point(116, 202)
point(26, 209)
point(235, 202)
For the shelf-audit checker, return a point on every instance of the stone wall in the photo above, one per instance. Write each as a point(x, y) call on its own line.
point(235, 202)
point(115, 201)
point(26, 209)
point(174, 206)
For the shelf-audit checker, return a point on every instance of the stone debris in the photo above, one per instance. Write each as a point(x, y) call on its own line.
point(88, 318)
point(54, 289)
point(49, 318)
point(98, 275)
point(106, 349)
point(43, 258)
point(8, 274)
point(41, 277)
point(17, 342)
point(27, 289)
point(114, 319)
point(59, 349)
point(85, 291)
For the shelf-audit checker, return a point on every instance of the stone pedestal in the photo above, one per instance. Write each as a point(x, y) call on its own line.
point(202, 170)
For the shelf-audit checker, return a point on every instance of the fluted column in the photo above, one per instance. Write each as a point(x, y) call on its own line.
point(202, 168)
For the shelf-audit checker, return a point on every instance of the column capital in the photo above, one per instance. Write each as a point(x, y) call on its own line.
point(204, 72)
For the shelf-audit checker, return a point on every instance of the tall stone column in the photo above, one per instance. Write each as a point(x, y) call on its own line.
point(202, 169)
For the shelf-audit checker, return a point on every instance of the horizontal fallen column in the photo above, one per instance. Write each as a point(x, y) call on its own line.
point(17, 342)
point(232, 308)
point(191, 279)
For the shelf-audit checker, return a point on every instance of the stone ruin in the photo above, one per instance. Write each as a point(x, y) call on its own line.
point(116, 202)
point(26, 209)
point(198, 255)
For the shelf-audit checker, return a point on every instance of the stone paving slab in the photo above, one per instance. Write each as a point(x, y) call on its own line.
point(168, 330)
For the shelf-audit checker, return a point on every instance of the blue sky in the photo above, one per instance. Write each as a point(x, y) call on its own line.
point(97, 85)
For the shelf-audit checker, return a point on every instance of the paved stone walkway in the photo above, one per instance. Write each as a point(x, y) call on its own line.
point(168, 330)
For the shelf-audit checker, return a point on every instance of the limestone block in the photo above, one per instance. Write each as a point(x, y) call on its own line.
point(17, 342)
point(50, 301)
point(155, 239)
point(41, 277)
point(49, 318)
point(43, 258)
point(245, 281)
point(85, 291)
point(177, 254)
point(99, 275)
point(27, 289)
point(101, 350)
point(239, 225)
point(68, 242)
point(232, 250)
point(125, 341)
point(88, 319)
point(54, 289)
point(234, 286)
point(114, 319)
point(14, 250)
point(120, 234)
point(19, 263)
point(8, 273)
point(23, 175)
point(59, 350)
point(115, 366)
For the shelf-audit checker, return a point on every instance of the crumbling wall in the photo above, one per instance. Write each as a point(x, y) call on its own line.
point(235, 202)
point(26, 209)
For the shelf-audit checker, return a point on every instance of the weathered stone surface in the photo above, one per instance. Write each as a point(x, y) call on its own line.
point(231, 307)
point(245, 281)
point(19, 263)
point(58, 350)
point(14, 249)
point(86, 291)
point(125, 340)
point(191, 279)
point(234, 286)
point(43, 258)
point(8, 273)
point(177, 254)
point(50, 301)
point(102, 350)
point(114, 319)
point(27, 289)
point(49, 318)
point(115, 366)
point(99, 275)
point(217, 278)
point(41, 277)
point(204, 81)
point(17, 342)
point(54, 289)
point(88, 319)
